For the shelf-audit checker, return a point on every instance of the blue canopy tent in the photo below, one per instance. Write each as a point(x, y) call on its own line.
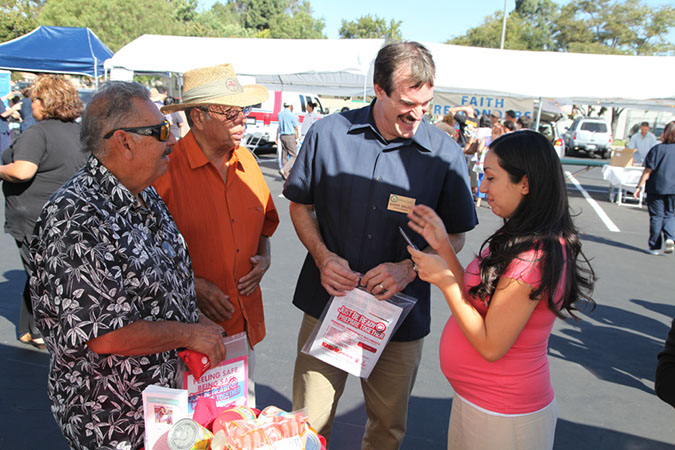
point(75, 51)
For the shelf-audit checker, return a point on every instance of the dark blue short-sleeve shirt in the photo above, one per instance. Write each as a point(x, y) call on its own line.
point(349, 172)
point(661, 159)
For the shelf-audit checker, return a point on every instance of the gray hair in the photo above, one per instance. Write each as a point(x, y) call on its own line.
point(112, 107)
point(411, 55)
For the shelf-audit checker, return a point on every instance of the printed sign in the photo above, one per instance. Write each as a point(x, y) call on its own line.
point(226, 384)
point(482, 104)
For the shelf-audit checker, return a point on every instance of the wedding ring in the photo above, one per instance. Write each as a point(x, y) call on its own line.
point(415, 267)
point(383, 290)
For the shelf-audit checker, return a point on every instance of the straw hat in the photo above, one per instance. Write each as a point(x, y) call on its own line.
point(217, 85)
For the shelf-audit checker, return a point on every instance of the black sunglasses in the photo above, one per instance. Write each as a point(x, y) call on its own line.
point(231, 114)
point(161, 132)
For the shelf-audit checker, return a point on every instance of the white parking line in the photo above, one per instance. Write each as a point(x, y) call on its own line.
point(598, 210)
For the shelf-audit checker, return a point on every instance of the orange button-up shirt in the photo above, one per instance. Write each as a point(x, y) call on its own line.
point(221, 223)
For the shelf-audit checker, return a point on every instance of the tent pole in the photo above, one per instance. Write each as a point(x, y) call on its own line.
point(501, 45)
point(365, 82)
point(541, 106)
point(180, 86)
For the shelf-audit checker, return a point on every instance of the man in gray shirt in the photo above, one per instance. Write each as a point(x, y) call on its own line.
point(642, 142)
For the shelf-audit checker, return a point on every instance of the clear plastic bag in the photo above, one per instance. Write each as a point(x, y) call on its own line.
point(354, 329)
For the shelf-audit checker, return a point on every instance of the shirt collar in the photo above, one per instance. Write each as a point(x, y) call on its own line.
point(364, 119)
point(118, 194)
point(195, 155)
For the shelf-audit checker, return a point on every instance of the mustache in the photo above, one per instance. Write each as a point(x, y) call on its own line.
point(408, 117)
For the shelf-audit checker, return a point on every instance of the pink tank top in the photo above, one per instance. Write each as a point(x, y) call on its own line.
point(518, 383)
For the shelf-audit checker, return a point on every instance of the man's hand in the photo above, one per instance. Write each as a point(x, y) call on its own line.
point(387, 279)
point(251, 280)
point(206, 337)
point(336, 276)
point(212, 301)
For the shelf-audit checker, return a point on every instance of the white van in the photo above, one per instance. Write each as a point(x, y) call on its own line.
point(262, 122)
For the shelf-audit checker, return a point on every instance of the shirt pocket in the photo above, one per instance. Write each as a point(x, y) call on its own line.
point(254, 218)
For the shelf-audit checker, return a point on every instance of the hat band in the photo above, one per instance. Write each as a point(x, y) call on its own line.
point(212, 90)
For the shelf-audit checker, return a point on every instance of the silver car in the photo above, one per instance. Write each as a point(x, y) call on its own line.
point(590, 135)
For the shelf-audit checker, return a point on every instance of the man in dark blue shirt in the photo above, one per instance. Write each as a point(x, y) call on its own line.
point(353, 173)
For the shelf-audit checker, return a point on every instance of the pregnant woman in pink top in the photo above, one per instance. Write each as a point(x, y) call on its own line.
point(530, 271)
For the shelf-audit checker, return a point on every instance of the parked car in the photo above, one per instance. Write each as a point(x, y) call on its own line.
point(549, 128)
point(262, 122)
point(590, 135)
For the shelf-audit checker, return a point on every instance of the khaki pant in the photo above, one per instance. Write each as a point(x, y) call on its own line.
point(471, 428)
point(289, 151)
point(317, 386)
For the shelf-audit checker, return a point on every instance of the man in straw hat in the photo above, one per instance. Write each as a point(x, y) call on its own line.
point(354, 175)
point(217, 194)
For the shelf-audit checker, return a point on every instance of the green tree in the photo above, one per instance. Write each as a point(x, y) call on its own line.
point(220, 21)
point(621, 27)
point(18, 18)
point(185, 10)
point(257, 14)
point(208, 25)
point(296, 23)
point(537, 23)
point(371, 27)
point(489, 34)
point(279, 19)
point(115, 22)
point(528, 27)
point(581, 26)
point(226, 14)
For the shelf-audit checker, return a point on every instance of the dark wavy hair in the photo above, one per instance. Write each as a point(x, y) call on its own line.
point(668, 136)
point(541, 222)
point(59, 98)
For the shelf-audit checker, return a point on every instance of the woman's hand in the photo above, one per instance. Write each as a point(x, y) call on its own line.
point(432, 268)
point(426, 223)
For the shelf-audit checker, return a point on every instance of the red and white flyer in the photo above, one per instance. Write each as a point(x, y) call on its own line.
point(227, 383)
point(353, 332)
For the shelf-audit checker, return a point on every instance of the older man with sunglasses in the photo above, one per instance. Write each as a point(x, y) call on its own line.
point(112, 290)
point(221, 203)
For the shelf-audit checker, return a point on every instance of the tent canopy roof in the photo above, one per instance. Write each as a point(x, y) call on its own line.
point(68, 50)
point(344, 67)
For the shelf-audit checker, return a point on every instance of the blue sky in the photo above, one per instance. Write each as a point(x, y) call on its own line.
point(435, 21)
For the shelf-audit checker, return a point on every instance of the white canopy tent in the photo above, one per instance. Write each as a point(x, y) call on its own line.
point(344, 67)
point(322, 66)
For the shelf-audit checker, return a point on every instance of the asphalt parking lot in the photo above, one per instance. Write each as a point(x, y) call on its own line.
point(602, 366)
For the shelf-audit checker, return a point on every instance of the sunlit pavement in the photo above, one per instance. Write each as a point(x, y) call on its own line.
point(602, 367)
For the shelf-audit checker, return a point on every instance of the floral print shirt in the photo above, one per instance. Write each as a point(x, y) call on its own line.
point(102, 260)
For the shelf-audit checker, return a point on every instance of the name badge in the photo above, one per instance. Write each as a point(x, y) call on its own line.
point(400, 203)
